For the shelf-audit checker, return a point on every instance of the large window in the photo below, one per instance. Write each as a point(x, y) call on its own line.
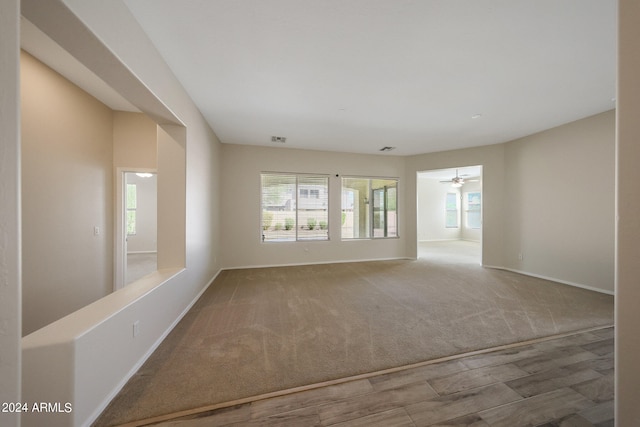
point(369, 208)
point(294, 207)
point(452, 210)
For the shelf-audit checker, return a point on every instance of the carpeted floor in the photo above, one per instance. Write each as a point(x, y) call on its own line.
point(260, 330)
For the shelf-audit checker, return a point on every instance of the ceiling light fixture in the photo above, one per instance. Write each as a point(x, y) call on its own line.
point(476, 116)
point(387, 148)
point(280, 139)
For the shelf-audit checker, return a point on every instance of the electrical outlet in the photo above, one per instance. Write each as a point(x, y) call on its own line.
point(520, 256)
point(96, 231)
point(136, 328)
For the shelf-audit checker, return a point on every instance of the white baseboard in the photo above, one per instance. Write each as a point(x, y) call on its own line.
point(449, 240)
point(316, 263)
point(141, 252)
point(553, 279)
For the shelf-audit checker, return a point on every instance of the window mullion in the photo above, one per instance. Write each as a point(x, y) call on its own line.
point(297, 205)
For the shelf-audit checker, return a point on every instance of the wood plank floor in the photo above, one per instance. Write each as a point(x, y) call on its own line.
point(561, 382)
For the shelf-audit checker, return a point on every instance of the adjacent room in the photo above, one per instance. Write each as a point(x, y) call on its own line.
point(319, 213)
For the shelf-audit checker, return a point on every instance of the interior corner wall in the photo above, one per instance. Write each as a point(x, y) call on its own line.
point(242, 166)
point(627, 340)
point(10, 282)
point(491, 158)
point(559, 203)
point(67, 187)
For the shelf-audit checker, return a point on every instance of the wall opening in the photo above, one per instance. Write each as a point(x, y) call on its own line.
point(449, 214)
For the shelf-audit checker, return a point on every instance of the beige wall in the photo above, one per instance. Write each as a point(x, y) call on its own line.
point(559, 202)
point(67, 185)
point(241, 206)
point(134, 141)
point(491, 158)
point(548, 196)
point(628, 214)
point(10, 281)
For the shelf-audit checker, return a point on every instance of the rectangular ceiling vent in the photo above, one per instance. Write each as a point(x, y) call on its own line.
point(280, 139)
point(387, 148)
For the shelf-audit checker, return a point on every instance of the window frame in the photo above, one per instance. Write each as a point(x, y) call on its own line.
point(321, 225)
point(369, 200)
point(468, 209)
point(447, 210)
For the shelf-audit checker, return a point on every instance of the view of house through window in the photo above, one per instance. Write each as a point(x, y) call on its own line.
point(369, 208)
point(294, 207)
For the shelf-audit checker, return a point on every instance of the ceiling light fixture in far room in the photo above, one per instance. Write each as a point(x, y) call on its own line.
point(476, 116)
point(387, 148)
point(280, 139)
point(144, 174)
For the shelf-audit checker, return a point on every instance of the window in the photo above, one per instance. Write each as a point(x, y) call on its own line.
point(474, 215)
point(132, 203)
point(451, 210)
point(287, 218)
point(369, 208)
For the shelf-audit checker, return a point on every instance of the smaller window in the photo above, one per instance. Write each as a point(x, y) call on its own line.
point(474, 217)
point(132, 202)
point(451, 211)
point(304, 193)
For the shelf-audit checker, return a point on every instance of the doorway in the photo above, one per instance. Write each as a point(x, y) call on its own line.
point(449, 217)
point(137, 228)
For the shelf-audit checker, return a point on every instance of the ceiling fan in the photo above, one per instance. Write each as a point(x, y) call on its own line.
point(459, 180)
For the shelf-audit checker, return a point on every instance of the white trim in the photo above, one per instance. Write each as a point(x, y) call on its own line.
point(553, 279)
point(142, 252)
point(96, 413)
point(449, 240)
point(317, 263)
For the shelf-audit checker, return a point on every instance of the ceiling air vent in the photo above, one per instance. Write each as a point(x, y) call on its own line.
point(387, 148)
point(280, 139)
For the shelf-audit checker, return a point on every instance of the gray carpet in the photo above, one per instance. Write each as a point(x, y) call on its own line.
point(260, 330)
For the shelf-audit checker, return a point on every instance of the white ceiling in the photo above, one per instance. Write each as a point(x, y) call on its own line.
point(358, 75)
